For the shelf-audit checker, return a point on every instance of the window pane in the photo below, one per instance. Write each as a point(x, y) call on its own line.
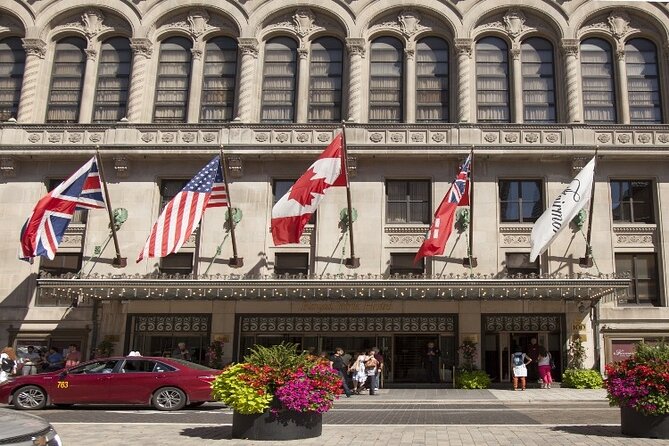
point(177, 263)
point(597, 83)
point(12, 64)
point(632, 201)
point(291, 263)
point(642, 81)
point(386, 83)
point(644, 274)
point(407, 201)
point(431, 80)
point(492, 80)
point(67, 77)
point(174, 67)
point(279, 79)
point(538, 82)
point(520, 200)
point(325, 80)
point(403, 264)
point(111, 94)
point(218, 84)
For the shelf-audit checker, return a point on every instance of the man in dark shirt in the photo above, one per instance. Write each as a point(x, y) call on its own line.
point(431, 362)
point(379, 369)
point(337, 362)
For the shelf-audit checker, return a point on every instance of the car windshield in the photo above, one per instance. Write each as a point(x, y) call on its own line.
point(192, 365)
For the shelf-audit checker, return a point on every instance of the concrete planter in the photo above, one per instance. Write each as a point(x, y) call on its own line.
point(635, 424)
point(286, 425)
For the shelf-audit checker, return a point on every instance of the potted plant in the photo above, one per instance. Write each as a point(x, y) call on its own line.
point(640, 387)
point(468, 377)
point(278, 393)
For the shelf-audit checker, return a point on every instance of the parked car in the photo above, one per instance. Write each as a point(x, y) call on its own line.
point(165, 383)
point(22, 429)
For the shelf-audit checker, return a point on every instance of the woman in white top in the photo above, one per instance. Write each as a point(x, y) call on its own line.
point(358, 373)
point(8, 362)
point(544, 363)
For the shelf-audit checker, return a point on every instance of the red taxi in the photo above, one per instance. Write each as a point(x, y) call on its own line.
point(165, 383)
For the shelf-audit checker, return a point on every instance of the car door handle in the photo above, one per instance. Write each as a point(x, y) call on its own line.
point(161, 377)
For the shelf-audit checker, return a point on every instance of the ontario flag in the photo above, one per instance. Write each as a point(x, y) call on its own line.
point(44, 230)
point(184, 212)
point(442, 226)
point(292, 212)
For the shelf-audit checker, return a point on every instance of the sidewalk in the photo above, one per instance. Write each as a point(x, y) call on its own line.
point(366, 434)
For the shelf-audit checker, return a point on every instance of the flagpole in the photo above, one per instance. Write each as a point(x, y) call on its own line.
point(235, 261)
point(471, 261)
point(587, 261)
point(118, 262)
point(352, 261)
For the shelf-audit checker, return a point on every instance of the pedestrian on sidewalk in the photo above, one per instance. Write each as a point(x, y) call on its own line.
point(544, 363)
point(519, 361)
point(337, 363)
point(371, 367)
point(358, 375)
point(431, 362)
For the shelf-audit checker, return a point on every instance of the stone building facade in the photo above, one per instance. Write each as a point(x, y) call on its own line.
point(534, 89)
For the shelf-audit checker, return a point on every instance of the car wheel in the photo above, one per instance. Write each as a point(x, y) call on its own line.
point(169, 398)
point(29, 398)
point(197, 404)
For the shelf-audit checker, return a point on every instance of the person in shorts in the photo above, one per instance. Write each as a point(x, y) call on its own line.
point(519, 361)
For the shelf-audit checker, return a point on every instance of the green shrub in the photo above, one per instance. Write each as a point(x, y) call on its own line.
point(582, 379)
point(472, 379)
point(232, 388)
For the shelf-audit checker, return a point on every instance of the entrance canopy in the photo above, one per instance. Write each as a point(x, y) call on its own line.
point(244, 287)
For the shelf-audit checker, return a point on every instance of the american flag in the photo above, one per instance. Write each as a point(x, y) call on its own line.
point(183, 213)
point(46, 226)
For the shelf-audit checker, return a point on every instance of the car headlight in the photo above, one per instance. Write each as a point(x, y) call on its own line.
point(49, 438)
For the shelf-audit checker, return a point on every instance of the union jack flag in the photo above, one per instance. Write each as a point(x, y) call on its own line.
point(183, 213)
point(442, 225)
point(45, 228)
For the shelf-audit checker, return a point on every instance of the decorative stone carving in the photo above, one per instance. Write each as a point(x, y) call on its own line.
point(515, 240)
point(511, 137)
point(464, 46)
point(55, 137)
point(570, 47)
point(376, 137)
point(198, 21)
point(634, 239)
point(645, 138)
point(663, 138)
point(578, 163)
point(302, 137)
point(121, 166)
point(262, 137)
point(417, 137)
point(7, 167)
point(619, 23)
point(283, 137)
point(34, 47)
point(410, 53)
point(514, 22)
point(91, 54)
point(197, 53)
point(410, 22)
point(34, 137)
point(342, 323)
point(552, 137)
point(75, 137)
point(397, 137)
point(604, 138)
point(95, 137)
point(302, 53)
point(305, 21)
point(235, 166)
point(167, 137)
point(248, 46)
point(531, 137)
point(92, 21)
point(515, 53)
point(438, 137)
point(490, 137)
point(406, 240)
point(356, 47)
point(323, 137)
point(624, 138)
point(141, 47)
point(209, 137)
point(148, 137)
point(188, 137)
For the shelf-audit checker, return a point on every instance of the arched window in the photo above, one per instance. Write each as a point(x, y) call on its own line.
point(218, 84)
point(386, 84)
point(67, 80)
point(492, 80)
point(643, 87)
point(597, 84)
point(325, 79)
point(279, 80)
point(431, 80)
point(174, 70)
point(111, 92)
point(12, 63)
point(538, 80)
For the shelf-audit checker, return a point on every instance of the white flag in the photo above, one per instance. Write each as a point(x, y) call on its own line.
point(563, 210)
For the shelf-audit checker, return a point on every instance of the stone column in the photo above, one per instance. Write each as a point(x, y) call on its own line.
point(621, 77)
point(88, 89)
point(570, 49)
point(195, 87)
point(464, 49)
point(356, 52)
point(516, 97)
point(35, 51)
point(249, 50)
point(141, 52)
point(302, 87)
point(410, 90)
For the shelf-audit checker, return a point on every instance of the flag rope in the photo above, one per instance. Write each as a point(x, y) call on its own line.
point(219, 249)
point(588, 251)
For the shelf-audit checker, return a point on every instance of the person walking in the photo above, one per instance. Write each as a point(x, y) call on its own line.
point(431, 362)
point(371, 367)
point(337, 362)
point(379, 370)
point(73, 356)
point(31, 361)
point(358, 374)
point(544, 363)
point(181, 352)
point(8, 361)
point(519, 361)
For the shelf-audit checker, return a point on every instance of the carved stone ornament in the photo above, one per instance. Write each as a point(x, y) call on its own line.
point(148, 137)
point(262, 137)
point(645, 138)
point(514, 22)
point(663, 138)
point(619, 23)
point(552, 137)
point(410, 22)
point(570, 47)
point(248, 46)
point(91, 54)
point(282, 137)
point(624, 138)
point(188, 137)
point(578, 163)
point(490, 137)
point(604, 138)
point(197, 53)
point(464, 46)
point(511, 137)
point(198, 22)
point(305, 22)
point(324, 137)
point(356, 46)
point(531, 137)
point(95, 137)
point(376, 137)
point(209, 137)
point(34, 47)
point(92, 21)
point(141, 46)
point(438, 137)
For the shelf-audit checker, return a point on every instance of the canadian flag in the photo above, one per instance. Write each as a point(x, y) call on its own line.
point(292, 212)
